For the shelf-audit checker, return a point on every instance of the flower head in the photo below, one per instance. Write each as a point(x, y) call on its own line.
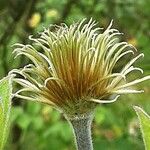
point(73, 68)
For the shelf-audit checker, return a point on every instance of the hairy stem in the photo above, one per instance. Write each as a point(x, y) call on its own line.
point(82, 131)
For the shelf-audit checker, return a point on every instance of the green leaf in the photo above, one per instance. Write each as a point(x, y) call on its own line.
point(144, 119)
point(5, 107)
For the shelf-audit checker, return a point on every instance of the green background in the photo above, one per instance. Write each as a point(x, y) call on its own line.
point(39, 127)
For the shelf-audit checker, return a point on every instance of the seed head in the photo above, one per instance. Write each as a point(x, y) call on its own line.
point(74, 68)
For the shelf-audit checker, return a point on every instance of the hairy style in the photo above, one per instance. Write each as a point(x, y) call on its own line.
point(73, 67)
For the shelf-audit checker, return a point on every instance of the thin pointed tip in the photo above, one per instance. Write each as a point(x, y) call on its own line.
point(136, 108)
point(142, 54)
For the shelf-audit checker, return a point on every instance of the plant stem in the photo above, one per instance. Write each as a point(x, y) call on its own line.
point(82, 131)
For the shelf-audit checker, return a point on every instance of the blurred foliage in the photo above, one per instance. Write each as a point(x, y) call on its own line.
point(36, 126)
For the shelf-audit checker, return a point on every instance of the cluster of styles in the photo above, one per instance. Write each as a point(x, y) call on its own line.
point(73, 69)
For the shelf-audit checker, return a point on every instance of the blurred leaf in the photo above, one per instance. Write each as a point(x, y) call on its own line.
point(37, 122)
point(5, 107)
point(53, 130)
point(100, 115)
point(16, 112)
point(33, 108)
point(24, 120)
point(3, 4)
point(52, 13)
point(144, 119)
point(34, 20)
point(67, 135)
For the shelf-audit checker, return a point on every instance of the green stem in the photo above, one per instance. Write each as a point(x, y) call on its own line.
point(82, 131)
